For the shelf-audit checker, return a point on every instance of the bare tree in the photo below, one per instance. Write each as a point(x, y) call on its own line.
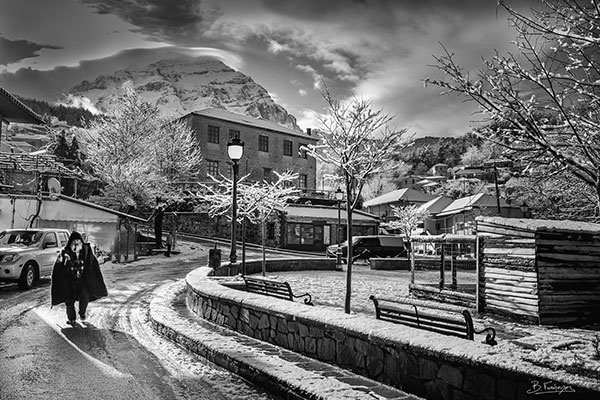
point(358, 141)
point(136, 153)
point(256, 201)
point(407, 219)
point(543, 100)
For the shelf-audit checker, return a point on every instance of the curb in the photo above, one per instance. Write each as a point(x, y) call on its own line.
point(284, 373)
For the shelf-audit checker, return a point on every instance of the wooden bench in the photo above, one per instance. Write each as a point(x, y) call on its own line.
point(273, 288)
point(424, 317)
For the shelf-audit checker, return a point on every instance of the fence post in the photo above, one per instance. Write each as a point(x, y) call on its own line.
point(442, 267)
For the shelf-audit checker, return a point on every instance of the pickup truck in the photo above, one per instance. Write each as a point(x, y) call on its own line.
point(26, 255)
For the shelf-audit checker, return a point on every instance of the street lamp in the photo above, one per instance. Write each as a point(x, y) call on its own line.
point(235, 150)
point(339, 195)
point(524, 210)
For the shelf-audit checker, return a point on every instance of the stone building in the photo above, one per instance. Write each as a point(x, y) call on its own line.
point(268, 147)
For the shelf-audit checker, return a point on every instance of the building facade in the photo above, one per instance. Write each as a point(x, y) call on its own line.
point(268, 147)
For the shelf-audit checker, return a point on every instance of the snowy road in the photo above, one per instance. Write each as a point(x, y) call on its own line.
point(113, 355)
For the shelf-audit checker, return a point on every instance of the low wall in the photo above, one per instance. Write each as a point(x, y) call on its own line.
point(277, 264)
point(413, 360)
point(389, 264)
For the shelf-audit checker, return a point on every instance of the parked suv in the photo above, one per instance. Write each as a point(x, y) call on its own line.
point(28, 254)
point(371, 246)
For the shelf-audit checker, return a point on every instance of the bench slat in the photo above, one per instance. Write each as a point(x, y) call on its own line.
point(403, 312)
point(268, 287)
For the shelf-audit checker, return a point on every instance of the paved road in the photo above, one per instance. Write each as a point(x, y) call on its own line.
point(115, 354)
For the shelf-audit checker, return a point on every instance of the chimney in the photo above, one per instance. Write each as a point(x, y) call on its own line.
point(309, 131)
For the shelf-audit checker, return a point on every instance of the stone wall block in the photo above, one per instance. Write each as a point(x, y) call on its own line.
point(304, 331)
point(282, 326)
point(451, 375)
point(263, 321)
point(479, 384)
point(438, 390)
point(281, 339)
point(374, 366)
point(427, 369)
point(292, 326)
point(326, 349)
point(310, 345)
point(316, 332)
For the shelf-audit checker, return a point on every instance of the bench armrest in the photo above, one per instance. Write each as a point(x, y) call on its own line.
point(307, 298)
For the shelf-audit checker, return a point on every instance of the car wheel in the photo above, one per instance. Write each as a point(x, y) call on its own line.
point(27, 277)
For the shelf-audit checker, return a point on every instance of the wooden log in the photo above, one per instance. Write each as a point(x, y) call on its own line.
point(530, 289)
point(513, 294)
point(483, 228)
point(510, 251)
point(513, 301)
point(512, 308)
point(572, 258)
point(566, 298)
point(510, 272)
point(517, 263)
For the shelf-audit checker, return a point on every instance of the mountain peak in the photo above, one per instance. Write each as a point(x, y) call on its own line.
point(182, 85)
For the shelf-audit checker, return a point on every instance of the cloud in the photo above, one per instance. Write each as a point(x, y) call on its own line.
point(79, 101)
point(302, 93)
point(12, 51)
point(176, 22)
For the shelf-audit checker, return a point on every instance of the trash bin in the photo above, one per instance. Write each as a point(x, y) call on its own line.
point(214, 257)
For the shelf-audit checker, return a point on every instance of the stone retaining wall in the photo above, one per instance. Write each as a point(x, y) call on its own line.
point(277, 264)
point(416, 361)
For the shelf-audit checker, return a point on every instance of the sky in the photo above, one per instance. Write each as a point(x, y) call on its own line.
point(380, 50)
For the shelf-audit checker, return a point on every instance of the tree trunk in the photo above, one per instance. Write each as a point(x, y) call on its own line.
point(264, 260)
point(349, 254)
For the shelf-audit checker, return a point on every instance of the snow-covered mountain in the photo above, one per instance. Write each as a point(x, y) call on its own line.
point(182, 85)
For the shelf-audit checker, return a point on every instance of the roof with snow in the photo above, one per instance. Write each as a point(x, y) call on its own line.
point(297, 211)
point(249, 121)
point(543, 224)
point(436, 205)
point(406, 194)
point(480, 200)
point(13, 110)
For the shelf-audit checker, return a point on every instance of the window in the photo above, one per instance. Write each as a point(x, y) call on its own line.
point(302, 152)
point(63, 238)
point(212, 167)
point(50, 240)
point(287, 147)
point(230, 171)
point(263, 143)
point(271, 230)
point(302, 181)
point(267, 174)
point(233, 134)
point(213, 134)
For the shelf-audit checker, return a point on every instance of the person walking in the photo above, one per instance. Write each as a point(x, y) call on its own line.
point(76, 276)
point(169, 243)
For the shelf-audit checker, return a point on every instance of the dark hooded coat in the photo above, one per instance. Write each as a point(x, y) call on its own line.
point(63, 286)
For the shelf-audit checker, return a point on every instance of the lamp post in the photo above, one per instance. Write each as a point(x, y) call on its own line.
point(235, 151)
point(524, 210)
point(339, 195)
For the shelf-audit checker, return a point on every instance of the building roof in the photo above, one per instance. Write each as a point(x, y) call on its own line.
point(535, 225)
point(480, 200)
point(326, 212)
point(436, 205)
point(407, 194)
point(43, 163)
point(13, 110)
point(250, 121)
point(87, 204)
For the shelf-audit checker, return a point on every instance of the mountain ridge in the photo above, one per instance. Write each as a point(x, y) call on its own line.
point(178, 86)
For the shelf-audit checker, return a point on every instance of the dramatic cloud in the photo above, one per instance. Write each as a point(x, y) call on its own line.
point(176, 22)
point(12, 51)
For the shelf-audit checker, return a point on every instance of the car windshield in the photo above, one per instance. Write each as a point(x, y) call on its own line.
point(26, 238)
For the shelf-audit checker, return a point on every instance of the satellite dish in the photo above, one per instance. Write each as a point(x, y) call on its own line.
point(54, 186)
